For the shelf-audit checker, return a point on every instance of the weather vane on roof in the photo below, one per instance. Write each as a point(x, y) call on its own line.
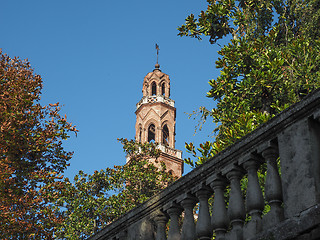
point(157, 47)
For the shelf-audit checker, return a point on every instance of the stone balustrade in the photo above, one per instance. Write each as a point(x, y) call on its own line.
point(171, 151)
point(165, 149)
point(155, 99)
point(284, 205)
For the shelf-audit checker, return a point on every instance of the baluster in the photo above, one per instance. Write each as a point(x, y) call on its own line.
point(188, 228)
point(236, 209)
point(174, 212)
point(161, 220)
point(273, 188)
point(203, 227)
point(254, 199)
point(219, 219)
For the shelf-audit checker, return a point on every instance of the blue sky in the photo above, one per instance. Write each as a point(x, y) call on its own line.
point(93, 56)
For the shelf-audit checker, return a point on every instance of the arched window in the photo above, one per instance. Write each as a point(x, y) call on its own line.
point(165, 135)
point(140, 134)
point(154, 88)
point(151, 133)
point(163, 89)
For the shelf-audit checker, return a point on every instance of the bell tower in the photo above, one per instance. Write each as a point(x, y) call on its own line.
point(156, 119)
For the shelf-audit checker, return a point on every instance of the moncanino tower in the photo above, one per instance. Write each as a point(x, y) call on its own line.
point(156, 119)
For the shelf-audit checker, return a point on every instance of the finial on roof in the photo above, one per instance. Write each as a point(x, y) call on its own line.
point(157, 47)
point(157, 66)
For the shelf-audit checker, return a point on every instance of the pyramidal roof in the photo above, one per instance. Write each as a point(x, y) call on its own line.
point(156, 73)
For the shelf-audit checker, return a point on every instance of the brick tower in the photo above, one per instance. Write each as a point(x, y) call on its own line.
point(156, 119)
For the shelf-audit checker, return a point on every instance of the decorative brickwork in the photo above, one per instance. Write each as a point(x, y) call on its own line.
point(156, 119)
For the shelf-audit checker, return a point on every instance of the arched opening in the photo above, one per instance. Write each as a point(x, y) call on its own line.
point(151, 133)
point(140, 134)
point(165, 135)
point(153, 88)
point(163, 89)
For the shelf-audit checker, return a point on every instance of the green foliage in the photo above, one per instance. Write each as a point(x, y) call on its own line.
point(271, 62)
point(238, 18)
point(92, 201)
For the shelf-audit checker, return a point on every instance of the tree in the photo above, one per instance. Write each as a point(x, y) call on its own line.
point(92, 201)
point(31, 153)
point(271, 62)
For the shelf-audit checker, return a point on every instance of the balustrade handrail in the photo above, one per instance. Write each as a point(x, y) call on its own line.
point(197, 179)
point(165, 149)
point(156, 98)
